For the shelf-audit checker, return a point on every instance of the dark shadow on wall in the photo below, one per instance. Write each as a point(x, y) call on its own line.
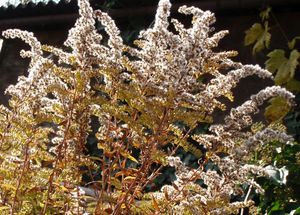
point(130, 19)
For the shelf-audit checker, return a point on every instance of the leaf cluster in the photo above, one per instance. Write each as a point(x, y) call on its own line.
point(147, 103)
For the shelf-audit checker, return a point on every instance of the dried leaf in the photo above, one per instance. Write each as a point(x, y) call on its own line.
point(155, 204)
point(128, 178)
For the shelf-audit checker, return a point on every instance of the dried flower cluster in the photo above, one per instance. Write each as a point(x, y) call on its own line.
point(137, 95)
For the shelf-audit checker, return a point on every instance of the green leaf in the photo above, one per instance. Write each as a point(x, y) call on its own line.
point(276, 59)
point(276, 206)
point(293, 85)
point(295, 212)
point(259, 36)
point(278, 109)
point(253, 33)
point(284, 68)
point(287, 70)
point(265, 13)
point(292, 43)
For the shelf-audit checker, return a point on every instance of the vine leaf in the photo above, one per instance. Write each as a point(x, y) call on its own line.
point(292, 43)
point(293, 85)
point(276, 59)
point(259, 36)
point(277, 109)
point(265, 13)
point(284, 67)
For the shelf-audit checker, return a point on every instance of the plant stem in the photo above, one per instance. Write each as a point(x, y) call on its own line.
point(247, 196)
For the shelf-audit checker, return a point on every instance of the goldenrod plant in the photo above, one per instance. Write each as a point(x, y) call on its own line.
point(138, 95)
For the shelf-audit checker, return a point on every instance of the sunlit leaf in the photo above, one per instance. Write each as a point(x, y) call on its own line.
point(284, 67)
point(155, 204)
point(2, 208)
point(276, 59)
point(115, 182)
point(287, 70)
point(129, 178)
point(130, 157)
point(259, 36)
point(8, 186)
point(277, 109)
point(230, 96)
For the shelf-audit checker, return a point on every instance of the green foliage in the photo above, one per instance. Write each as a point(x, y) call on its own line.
point(281, 199)
point(139, 105)
point(277, 109)
point(259, 36)
point(284, 64)
point(283, 67)
point(292, 43)
point(264, 15)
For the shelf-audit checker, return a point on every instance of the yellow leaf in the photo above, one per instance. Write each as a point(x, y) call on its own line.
point(286, 71)
point(229, 96)
point(276, 59)
point(132, 158)
point(2, 208)
point(259, 36)
point(278, 109)
point(63, 188)
point(8, 186)
point(127, 155)
point(115, 182)
point(155, 204)
point(95, 158)
point(129, 178)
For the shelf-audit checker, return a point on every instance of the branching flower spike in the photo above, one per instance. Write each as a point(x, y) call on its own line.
point(88, 130)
